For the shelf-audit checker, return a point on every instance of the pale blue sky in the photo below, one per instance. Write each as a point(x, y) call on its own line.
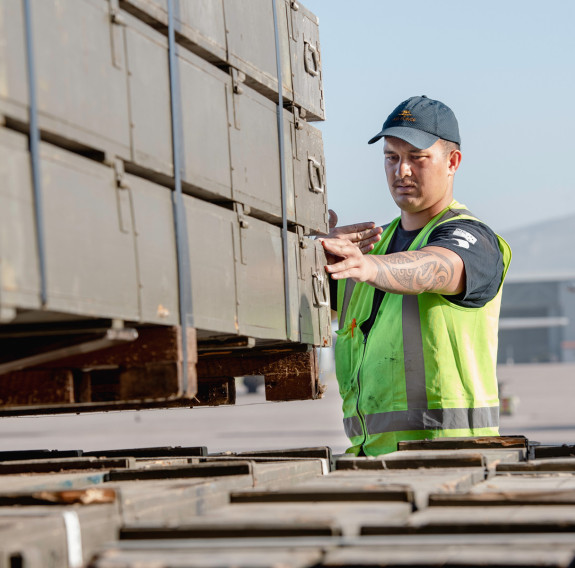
point(505, 67)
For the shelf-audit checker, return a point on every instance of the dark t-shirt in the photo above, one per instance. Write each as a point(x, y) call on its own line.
point(477, 246)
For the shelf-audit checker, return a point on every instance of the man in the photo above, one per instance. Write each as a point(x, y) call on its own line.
point(418, 300)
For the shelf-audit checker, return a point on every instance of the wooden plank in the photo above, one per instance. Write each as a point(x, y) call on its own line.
point(52, 481)
point(153, 452)
point(145, 386)
point(63, 464)
point(486, 519)
point(563, 451)
point(538, 465)
point(321, 452)
point(504, 499)
point(155, 344)
point(215, 391)
point(448, 555)
point(175, 501)
point(280, 556)
point(208, 528)
point(39, 387)
point(16, 455)
point(291, 372)
point(285, 474)
point(410, 460)
point(315, 494)
point(420, 483)
point(471, 443)
point(316, 452)
point(177, 472)
point(344, 517)
point(90, 496)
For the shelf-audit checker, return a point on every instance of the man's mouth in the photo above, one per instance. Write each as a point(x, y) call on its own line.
point(403, 184)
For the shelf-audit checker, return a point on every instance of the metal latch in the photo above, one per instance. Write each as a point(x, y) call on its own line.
point(311, 59)
point(123, 197)
point(243, 222)
point(238, 79)
point(315, 172)
point(320, 296)
point(116, 33)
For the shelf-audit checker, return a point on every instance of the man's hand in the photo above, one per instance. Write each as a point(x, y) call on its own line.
point(363, 235)
point(431, 269)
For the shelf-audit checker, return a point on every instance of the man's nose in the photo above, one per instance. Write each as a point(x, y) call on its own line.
point(403, 169)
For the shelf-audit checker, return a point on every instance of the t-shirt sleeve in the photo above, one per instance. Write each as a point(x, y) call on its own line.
point(478, 247)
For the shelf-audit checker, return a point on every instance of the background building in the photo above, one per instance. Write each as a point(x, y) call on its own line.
point(538, 307)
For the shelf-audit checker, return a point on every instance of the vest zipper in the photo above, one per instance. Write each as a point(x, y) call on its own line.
point(359, 415)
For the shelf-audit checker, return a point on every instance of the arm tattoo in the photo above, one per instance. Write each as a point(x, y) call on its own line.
point(412, 272)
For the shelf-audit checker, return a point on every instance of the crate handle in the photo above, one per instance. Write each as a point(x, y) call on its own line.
point(315, 175)
point(311, 59)
point(319, 290)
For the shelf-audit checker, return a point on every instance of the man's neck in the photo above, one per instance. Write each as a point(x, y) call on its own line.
point(417, 220)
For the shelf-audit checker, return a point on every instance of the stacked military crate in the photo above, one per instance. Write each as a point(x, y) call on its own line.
point(147, 150)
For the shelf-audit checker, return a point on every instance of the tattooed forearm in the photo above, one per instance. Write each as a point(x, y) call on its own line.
point(413, 272)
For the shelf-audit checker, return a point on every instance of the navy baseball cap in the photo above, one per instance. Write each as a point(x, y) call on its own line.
point(421, 122)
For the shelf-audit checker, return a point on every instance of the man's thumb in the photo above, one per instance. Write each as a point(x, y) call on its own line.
point(332, 218)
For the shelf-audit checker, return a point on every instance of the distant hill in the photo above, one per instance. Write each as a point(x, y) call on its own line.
point(543, 250)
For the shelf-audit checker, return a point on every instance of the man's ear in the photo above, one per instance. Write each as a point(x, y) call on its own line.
point(454, 160)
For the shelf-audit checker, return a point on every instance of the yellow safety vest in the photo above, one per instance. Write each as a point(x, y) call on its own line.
point(427, 367)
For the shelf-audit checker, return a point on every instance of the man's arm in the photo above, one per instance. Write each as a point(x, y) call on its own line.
point(431, 269)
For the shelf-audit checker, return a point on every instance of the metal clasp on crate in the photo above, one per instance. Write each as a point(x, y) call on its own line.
point(315, 175)
point(320, 295)
point(238, 79)
point(241, 212)
point(311, 59)
point(116, 34)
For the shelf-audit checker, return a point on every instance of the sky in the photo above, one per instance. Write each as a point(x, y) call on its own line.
point(506, 68)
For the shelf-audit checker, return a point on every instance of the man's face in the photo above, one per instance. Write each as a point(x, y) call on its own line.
point(419, 180)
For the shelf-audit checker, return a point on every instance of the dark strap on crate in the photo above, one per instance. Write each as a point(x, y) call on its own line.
point(180, 225)
point(284, 188)
point(34, 140)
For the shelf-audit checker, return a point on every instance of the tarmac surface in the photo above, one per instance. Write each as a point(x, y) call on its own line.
point(544, 396)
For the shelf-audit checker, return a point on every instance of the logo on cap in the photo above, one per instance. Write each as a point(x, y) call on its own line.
point(405, 115)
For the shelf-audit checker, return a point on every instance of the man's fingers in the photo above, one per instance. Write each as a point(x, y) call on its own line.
point(332, 219)
point(357, 233)
point(339, 247)
point(366, 248)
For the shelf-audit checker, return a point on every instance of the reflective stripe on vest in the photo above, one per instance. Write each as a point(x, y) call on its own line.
point(424, 419)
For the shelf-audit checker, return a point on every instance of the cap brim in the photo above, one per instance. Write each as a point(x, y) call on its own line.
point(417, 138)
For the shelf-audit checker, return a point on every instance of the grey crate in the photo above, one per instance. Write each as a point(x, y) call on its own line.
point(80, 72)
point(306, 62)
point(255, 156)
point(206, 94)
point(89, 240)
point(231, 145)
point(310, 191)
point(199, 25)
point(251, 49)
point(236, 270)
point(19, 276)
point(242, 35)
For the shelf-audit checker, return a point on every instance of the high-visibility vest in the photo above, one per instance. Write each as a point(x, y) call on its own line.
point(426, 368)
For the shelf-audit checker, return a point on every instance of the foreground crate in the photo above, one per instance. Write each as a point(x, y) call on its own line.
point(270, 508)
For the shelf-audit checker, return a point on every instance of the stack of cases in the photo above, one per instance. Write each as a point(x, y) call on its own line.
point(103, 94)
